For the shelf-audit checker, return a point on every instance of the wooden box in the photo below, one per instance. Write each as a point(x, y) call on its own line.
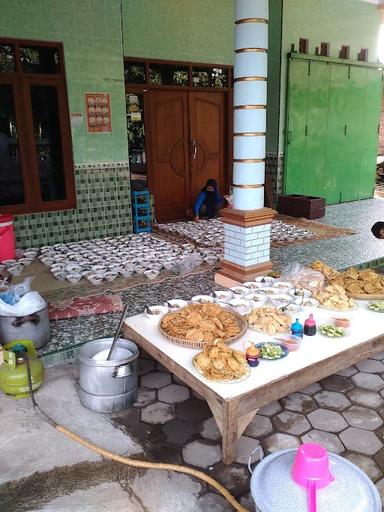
point(296, 205)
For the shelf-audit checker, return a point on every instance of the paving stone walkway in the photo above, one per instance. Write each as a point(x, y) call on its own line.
point(344, 412)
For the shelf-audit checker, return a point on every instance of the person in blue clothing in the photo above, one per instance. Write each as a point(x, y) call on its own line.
point(208, 202)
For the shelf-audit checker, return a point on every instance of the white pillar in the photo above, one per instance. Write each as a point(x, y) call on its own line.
point(250, 101)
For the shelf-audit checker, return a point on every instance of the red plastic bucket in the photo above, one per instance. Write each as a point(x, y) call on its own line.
point(7, 238)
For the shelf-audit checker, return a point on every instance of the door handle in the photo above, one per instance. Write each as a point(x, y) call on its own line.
point(195, 148)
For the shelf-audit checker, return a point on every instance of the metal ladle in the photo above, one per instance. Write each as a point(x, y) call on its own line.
point(124, 314)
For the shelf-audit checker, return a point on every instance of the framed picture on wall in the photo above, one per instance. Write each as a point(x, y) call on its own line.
point(98, 109)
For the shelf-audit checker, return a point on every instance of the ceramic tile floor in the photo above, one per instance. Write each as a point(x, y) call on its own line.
point(344, 412)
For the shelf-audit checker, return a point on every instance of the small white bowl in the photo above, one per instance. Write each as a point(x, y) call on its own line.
point(283, 286)
point(16, 270)
point(95, 278)
point(155, 312)
point(175, 304)
point(252, 285)
point(307, 302)
point(222, 295)
point(25, 261)
point(266, 280)
point(269, 291)
point(300, 292)
point(9, 263)
point(139, 269)
point(282, 297)
point(239, 291)
point(60, 276)
point(241, 306)
point(126, 272)
point(73, 277)
point(99, 269)
point(257, 299)
point(151, 274)
point(202, 299)
point(31, 253)
point(73, 268)
point(169, 265)
point(110, 275)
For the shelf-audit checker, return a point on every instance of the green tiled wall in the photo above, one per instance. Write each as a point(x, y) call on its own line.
point(90, 31)
point(103, 209)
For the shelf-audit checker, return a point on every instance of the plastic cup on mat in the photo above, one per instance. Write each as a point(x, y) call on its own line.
point(311, 470)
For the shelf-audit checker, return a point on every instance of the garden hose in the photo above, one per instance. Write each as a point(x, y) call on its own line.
point(133, 462)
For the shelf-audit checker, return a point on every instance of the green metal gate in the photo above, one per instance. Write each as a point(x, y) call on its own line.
point(333, 110)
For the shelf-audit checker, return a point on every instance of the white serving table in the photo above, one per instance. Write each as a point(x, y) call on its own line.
point(235, 405)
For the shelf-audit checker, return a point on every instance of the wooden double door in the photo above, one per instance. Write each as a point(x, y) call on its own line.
point(186, 146)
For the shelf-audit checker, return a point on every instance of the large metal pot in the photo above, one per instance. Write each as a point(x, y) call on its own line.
point(33, 327)
point(108, 386)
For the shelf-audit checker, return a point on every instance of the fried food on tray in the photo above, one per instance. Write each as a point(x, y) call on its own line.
point(362, 282)
point(327, 271)
point(269, 320)
point(334, 297)
point(220, 363)
point(201, 323)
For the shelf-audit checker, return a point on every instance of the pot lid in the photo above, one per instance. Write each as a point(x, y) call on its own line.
point(273, 489)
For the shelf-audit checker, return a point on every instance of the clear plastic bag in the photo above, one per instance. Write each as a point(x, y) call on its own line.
point(188, 263)
point(303, 277)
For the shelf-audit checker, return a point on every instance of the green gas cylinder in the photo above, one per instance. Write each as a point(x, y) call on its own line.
point(13, 371)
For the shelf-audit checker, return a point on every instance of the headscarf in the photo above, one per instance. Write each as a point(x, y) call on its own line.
point(210, 197)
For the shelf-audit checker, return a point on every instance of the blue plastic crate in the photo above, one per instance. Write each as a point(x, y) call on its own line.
point(140, 198)
point(142, 224)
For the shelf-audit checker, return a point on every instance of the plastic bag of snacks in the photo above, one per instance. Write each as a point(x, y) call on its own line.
point(303, 277)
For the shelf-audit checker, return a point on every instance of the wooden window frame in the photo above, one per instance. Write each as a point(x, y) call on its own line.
point(21, 82)
point(147, 84)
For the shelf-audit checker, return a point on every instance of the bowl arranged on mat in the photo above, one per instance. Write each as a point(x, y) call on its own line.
point(95, 278)
point(239, 291)
point(300, 292)
point(267, 280)
point(73, 277)
point(257, 299)
point(151, 274)
point(15, 270)
point(307, 302)
point(110, 275)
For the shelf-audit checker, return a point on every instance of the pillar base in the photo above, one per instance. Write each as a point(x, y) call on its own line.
point(246, 245)
point(231, 274)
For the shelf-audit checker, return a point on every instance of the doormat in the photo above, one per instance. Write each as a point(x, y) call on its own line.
point(85, 306)
point(319, 230)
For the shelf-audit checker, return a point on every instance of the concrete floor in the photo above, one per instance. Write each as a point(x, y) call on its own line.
point(44, 471)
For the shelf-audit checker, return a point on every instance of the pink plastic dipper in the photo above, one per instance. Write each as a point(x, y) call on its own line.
point(311, 470)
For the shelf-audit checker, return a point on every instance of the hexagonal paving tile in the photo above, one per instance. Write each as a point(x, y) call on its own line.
point(278, 441)
point(210, 430)
point(234, 477)
point(156, 380)
point(157, 413)
point(378, 357)
point(193, 409)
point(291, 423)
point(201, 453)
point(332, 400)
point(214, 503)
point(367, 464)
point(366, 398)
point(370, 366)
point(361, 417)
point(329, 421)
point(347, 372)
point(270, 409)
point(337, 383)
point(361, 441)
point(144, 397)
point(329, 441)
point(260, 426)
point(368, 381)
point(298, 402)
point(311, 389)
point(173, 394)
point(178, 432)
point(245, 447)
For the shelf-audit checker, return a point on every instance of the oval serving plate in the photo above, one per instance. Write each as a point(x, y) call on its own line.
point(285, 350)
point(233, 381)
